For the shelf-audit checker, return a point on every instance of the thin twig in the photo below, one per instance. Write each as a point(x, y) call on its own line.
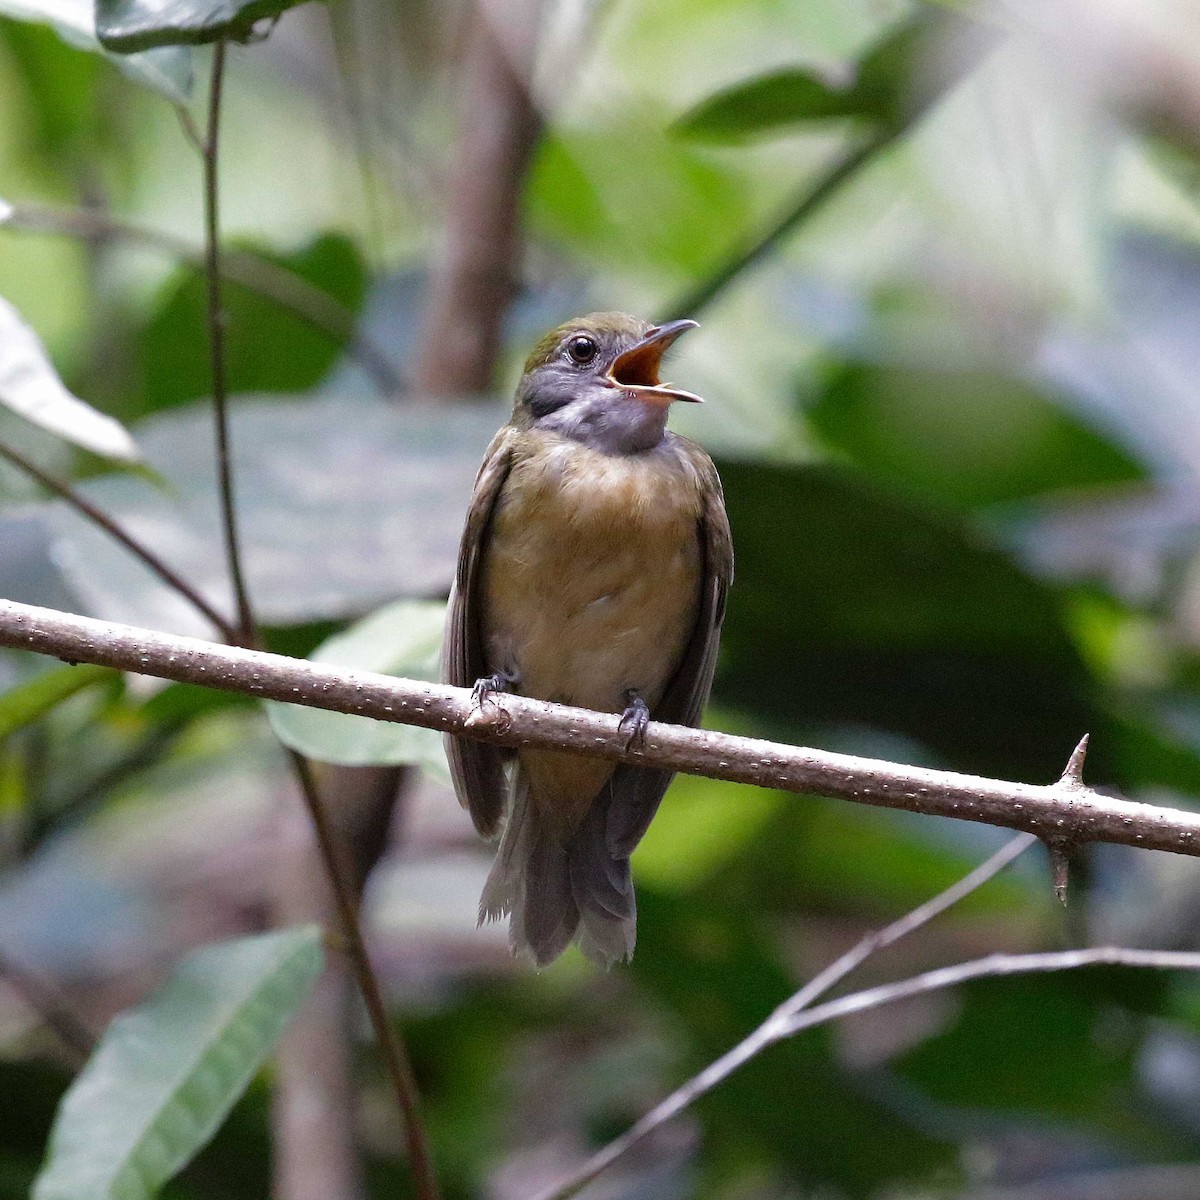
point(394, 1054)
point(771, 1030)
point(391, 1047)
point(247, 631)
point(191, 130)
point(1080, 814)
point(54, 1010)
point(102, 520)
point(994, 966)
point(291, 291)
point(795, 214)
point(909, 923)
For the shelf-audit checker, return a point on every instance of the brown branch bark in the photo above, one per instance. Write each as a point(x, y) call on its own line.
point(1064, 812)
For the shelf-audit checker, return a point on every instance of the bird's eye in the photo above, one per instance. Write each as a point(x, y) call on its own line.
point(582, 350)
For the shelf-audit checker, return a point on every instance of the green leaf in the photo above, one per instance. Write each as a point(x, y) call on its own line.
point(166, 1073)
point(967, 436)
point(30, 701)
point(1049, 1045)
point(884, 88)
point(402, 639)
point(373, 492)
point(31, 388)
point(268, 348)
point(167, 71)
point(131, 25)
point(886, 614)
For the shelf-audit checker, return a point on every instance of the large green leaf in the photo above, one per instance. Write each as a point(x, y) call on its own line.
point(268, 348)
point(30, 387)
point(131, 25)
point(167, 71)
point(345, 504)
point(853, 606)
point(167, 1072)
point(886, 87)
point(1053, 1045)
point(967, 436)
point(401, 639)
point(32, 700)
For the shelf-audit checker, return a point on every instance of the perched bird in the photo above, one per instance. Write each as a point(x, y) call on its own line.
point(593, 571)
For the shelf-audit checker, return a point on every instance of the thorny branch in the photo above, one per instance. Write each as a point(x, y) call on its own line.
point(1066, 812)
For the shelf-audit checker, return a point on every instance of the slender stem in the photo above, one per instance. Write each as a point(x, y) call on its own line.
point(806, 203)
point(55, 1011)
point(1051, 812)
point(770, 1030)
point(390, 1045)
point(247, 632)
point(394, 1053)
point(102, 520)
point(994, 966)
point(791, 1018)
point(909, 923)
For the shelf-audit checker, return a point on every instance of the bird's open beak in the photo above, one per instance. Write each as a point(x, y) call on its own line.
point(636, 371)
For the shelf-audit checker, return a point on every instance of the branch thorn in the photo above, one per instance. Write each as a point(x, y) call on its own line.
point(1060, 869)
point(1073, 775)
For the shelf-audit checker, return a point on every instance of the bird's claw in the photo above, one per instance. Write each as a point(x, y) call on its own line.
point(485, 709)
point(634, 720)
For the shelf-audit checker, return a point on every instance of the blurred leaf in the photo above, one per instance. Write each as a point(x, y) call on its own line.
point(827, 856)
point(268, 347)
point(344, 503)
point(63, 116)
point(670, 207)
point(708, 961)
point(855, 606)
point(167, 71)
point(402, 639)
point(715, 820)
point(130, 25)
point(32, 700)
point(165, 1074)
point(1052, 1045)
point(970, 437)
point(882, 89)
point(30, 387)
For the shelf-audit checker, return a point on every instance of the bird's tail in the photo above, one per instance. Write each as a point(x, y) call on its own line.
point(558, 885)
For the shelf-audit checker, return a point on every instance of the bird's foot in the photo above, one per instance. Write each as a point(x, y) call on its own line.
point(634, 719)
point(484, 708)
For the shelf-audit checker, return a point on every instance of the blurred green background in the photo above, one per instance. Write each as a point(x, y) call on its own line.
point(956, 408)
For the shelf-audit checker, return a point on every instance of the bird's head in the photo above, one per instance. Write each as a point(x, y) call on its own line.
point(595, 379)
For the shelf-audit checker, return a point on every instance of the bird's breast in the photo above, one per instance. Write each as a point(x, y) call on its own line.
point(592, 572)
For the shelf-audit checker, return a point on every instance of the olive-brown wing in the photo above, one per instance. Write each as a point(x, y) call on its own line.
point(476, 768)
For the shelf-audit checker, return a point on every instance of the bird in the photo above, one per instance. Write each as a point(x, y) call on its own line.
point(593, 570)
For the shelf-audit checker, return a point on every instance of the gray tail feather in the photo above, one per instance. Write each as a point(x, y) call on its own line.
point(582, 890)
